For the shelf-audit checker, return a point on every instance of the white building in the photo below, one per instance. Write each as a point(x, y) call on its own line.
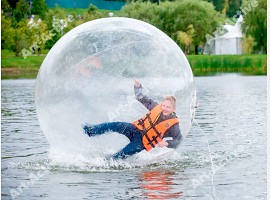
point(228, 43)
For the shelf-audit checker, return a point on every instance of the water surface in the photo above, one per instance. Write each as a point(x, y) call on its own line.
point(231, 119)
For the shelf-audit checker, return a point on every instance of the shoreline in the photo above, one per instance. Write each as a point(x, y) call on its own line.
point(202, 65)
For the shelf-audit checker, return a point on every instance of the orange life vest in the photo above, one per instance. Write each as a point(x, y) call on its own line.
point(153, 133)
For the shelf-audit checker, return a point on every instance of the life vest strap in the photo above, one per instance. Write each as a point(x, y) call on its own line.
point(141, 122)
point(154, 139)
point(149, 140)
point(153, 126)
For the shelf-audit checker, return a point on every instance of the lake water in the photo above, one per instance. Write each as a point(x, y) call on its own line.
point(231, 132)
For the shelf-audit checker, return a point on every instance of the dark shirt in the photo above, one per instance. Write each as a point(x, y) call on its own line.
point(173, 131)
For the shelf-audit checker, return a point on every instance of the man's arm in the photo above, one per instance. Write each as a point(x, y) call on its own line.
point(175, 133)
point(146, 101)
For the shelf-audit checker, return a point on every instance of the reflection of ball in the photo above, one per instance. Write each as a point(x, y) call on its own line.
point(88, 76)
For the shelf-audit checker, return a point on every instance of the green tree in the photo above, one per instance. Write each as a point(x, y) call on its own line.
point(39, 8)
point(145, 11)
point(255, 23)
point(225, 8)
point(21, 10)
point(172, 17)
point(186, 38)
point(12, 3)
point(92, 13)
point(200, 14)
point(234, 6)
point(53, 14)
point(248, 44)
point(22, 37)
point(219, 4)
point(92, 9)
point(5, 6)
point(7, 34)
point(39, 34)
point(52, 19)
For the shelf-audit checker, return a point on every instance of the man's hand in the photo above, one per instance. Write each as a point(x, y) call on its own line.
point(137, 83)
point(162, 144)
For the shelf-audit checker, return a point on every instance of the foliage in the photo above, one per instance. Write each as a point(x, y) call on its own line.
point(201, 15)
point(255, 24)
point(245, 64)
point(248, 44)
point(21, 10)
point(7, 33)
point(186, 38)
point(91, 14)
point(53, 19)
point(12, 3)
point(172, 17)
point(56, 13)
point(219, 4)
point(145, 11)
point(92, 9)
point(22, 37)
point(227, 7)
point(5, 7)
point(38, 34)
point(39, 8)
point(234, 6)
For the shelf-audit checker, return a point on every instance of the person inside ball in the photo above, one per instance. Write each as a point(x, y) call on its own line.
point(147, 132)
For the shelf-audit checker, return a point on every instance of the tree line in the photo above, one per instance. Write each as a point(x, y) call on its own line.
point(187, 22)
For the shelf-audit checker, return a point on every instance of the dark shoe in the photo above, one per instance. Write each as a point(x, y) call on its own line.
point(87, 129)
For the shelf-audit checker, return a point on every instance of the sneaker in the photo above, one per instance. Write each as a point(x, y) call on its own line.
point(87, 129)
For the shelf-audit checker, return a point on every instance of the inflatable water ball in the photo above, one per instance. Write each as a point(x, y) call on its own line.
point(88, 77)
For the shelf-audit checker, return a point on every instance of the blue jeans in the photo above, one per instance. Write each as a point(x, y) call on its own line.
point(127, 129)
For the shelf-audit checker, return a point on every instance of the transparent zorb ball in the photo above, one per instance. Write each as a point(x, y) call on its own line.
point(88, 77)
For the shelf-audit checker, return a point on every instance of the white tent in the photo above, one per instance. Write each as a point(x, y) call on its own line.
point(228, 43)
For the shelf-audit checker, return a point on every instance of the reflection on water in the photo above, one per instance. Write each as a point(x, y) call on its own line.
point(159, 185)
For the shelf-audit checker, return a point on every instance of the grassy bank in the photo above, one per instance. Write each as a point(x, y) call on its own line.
point(18, 67)
point(213, 64)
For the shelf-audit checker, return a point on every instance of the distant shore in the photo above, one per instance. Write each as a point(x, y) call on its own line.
point(254, 64)
point(202, 65)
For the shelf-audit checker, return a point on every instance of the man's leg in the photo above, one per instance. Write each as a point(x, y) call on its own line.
point(133, 147)
point(124, 128)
